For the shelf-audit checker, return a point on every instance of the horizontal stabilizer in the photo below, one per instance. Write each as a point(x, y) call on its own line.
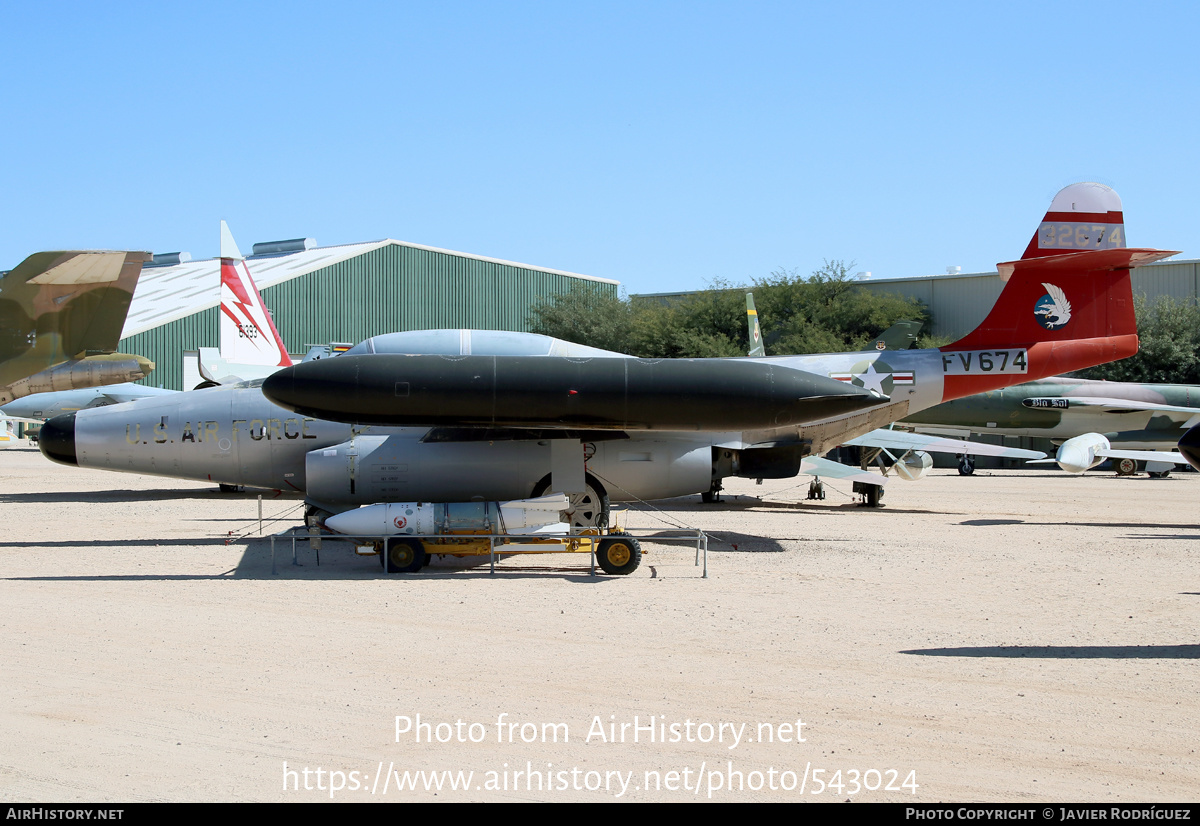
point(1090, 260)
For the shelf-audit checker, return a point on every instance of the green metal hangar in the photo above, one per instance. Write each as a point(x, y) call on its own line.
point(318, 295)
point(960, 301)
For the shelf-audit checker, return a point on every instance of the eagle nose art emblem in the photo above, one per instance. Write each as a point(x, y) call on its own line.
point(1052, 310)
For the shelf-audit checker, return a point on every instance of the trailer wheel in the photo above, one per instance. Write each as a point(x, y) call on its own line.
point(403, 556)
point(619, 555)
point(1126, 467)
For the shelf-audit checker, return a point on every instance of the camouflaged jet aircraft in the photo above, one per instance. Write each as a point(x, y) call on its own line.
point(250, 347)
point(450, 416)
point(61, 315)
point(1090, 420)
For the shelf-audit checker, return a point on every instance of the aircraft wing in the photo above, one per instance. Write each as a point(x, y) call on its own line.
point(1111, 405)
point(829, 469)
point(901, 440)
point(1144, 455)
point(1167, 456)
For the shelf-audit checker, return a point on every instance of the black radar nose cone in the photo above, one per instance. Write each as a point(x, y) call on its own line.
point(277, 387)
point(57, 439)
point(1189, 446)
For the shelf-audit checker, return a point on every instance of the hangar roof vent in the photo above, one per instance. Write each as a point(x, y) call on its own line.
point(284, 247)
point(169, 259)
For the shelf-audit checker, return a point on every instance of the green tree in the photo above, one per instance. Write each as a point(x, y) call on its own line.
point(826, 312)
point(585, 314)
point(1169, 345)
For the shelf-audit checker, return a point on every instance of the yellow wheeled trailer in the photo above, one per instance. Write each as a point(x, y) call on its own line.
point(405, 534)
point(616, 552)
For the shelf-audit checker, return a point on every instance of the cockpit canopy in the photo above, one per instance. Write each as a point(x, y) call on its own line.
point(475, 342)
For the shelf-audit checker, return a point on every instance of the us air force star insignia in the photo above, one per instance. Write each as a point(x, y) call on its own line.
point(1052, 310)
point(869, 379)
point(876, 375)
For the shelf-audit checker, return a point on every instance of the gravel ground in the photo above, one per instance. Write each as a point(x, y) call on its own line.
point(1011, 636)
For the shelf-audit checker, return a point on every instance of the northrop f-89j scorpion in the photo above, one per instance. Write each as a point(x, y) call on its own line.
point(451, 416)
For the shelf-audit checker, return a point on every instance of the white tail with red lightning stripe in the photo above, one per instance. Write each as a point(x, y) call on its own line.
point(248, 335)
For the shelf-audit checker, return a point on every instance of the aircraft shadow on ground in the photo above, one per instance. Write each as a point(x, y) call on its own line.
point(1068, 652)
point(800, 506)
point(722, 542)
point(107, 543)
point(986, 523)
point(336, 559)
point(103, 496)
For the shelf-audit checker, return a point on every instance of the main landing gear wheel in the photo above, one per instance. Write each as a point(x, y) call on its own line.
point(403, 556)
point(871, 494)
point(314, 517)
point(584, 510)
point(619, 555)
point(1126, 467)
point(966, 465)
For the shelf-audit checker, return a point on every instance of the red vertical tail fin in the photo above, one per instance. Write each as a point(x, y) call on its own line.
point(1085, 216)
point(1067, 304)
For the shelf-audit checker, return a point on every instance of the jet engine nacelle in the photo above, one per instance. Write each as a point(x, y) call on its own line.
point(372, 468)
point(1078, 455)
point(913, 465)
point(93, 371)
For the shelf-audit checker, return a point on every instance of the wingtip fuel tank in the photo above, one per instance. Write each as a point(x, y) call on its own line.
point(594, 393)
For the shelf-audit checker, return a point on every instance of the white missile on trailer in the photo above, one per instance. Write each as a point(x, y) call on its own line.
point(538, 515)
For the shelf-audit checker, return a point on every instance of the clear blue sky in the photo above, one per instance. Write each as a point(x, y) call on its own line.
point(662, 144)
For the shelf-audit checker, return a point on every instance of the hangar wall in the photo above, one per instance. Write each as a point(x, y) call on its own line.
point(394, 287)
point(959, 303)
